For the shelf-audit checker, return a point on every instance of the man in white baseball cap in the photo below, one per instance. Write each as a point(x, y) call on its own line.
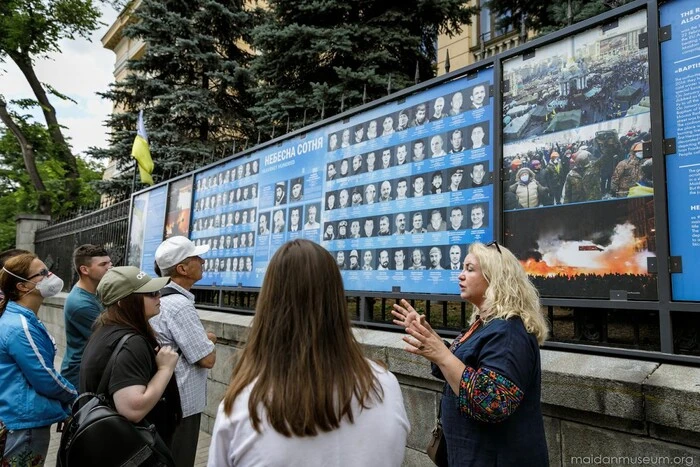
point(178, 326)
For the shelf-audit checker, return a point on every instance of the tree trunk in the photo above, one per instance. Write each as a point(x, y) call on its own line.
point(64, 153)
point(29, 159)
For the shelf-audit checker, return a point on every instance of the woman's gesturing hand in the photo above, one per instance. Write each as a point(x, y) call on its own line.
point(423, 340)
point(405, 314)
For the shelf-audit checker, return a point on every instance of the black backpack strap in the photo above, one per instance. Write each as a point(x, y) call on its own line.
point(165, 291)
point(101, 389)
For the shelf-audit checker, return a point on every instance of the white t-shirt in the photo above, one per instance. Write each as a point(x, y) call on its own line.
point(376, 438)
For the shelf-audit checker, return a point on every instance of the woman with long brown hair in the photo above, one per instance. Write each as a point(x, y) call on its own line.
point(141, 384)
point(33, 395)
point(302, 392)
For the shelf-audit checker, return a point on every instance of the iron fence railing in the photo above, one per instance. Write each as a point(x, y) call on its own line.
point(107, 227)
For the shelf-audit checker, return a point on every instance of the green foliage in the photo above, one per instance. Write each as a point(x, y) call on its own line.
point(35, 27)
point(316, 56)
point(17, 195)
point(192, 83)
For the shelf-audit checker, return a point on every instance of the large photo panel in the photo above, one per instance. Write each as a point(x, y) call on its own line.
point(577, 132)
point(146, 227)
point(395, 194)
point(680, 71)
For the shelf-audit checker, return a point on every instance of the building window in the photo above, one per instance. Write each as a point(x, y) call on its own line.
point(488, 25)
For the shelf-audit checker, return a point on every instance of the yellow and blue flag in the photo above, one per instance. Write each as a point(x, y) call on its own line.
point(142, 153)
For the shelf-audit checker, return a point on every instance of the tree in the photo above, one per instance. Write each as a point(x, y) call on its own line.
point(546, 17)
point(17, 193)
point(31, 29)
point(191, 83)
point(316, 57)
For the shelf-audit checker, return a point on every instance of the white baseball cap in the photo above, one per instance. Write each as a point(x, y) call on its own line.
point(176, 249)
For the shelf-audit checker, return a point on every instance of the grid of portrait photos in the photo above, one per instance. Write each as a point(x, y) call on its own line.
point(225, 217)
point(407, 190)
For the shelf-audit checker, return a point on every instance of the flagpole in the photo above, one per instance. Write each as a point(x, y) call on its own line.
point(133, 179)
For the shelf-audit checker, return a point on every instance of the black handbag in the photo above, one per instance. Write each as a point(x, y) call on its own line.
point(96, 434)
point(437, 446)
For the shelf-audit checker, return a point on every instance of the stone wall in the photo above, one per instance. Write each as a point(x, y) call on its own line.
point(598, 410)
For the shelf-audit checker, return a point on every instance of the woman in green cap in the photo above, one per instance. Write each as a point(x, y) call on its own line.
point(141, 384)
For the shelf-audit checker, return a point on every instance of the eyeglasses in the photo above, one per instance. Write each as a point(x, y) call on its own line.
point(495, 243)
point(44, 272)
point(155, 294)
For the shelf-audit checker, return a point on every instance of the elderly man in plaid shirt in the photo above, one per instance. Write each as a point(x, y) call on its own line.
point(178, 325)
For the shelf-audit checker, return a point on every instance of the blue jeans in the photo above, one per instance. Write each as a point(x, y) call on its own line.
point(27, 447)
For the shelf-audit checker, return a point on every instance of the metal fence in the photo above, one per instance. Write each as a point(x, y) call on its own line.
point(107, 227)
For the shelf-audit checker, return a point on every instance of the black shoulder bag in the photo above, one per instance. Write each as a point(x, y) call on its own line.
point(96, 434)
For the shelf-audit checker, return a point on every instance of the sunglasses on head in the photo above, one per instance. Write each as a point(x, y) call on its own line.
point(494, 243)
point(44, 272)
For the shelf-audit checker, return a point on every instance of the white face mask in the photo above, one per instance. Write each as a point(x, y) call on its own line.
point(48, 287)
point(525, 178)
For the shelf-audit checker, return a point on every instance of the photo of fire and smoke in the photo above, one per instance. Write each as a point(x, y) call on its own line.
point(584, 251)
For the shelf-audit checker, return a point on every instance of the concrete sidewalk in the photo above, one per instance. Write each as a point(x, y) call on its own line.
point(200, 461)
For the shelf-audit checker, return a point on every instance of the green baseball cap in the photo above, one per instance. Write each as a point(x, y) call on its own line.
point(122, 281)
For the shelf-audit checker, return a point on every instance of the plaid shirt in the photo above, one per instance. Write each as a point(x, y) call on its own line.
point(178, 326)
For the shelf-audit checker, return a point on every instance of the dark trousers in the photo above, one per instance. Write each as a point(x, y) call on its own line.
point(184, 443)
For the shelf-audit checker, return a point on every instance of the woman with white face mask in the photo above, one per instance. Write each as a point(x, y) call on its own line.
point(33, 395)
